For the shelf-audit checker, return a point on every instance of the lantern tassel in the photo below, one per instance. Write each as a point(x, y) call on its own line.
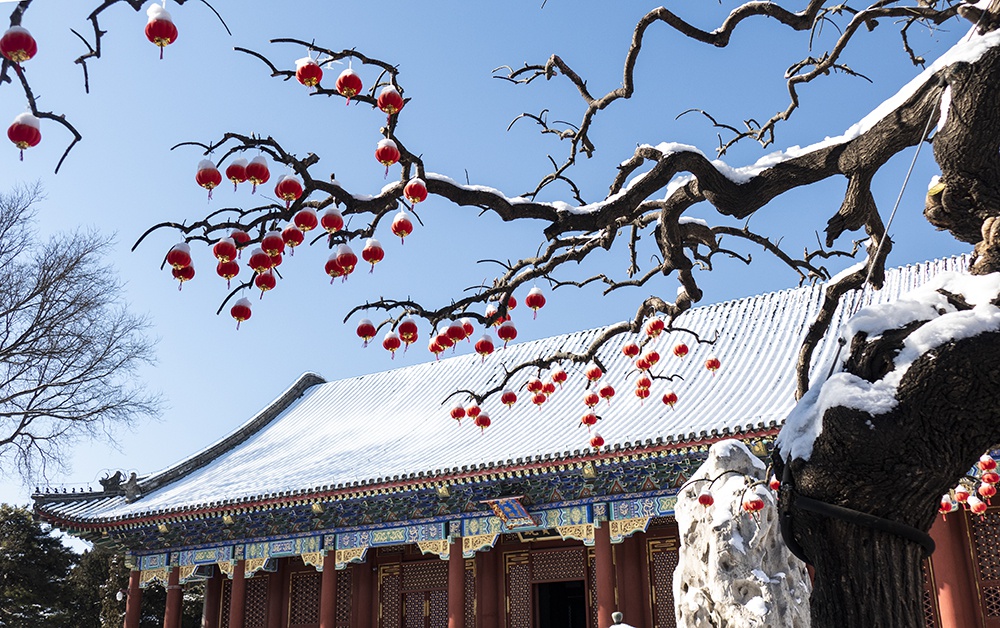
point(161, 53)
point(22, 154)
point(210, 194)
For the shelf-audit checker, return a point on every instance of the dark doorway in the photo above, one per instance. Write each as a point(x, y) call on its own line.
point(560, 605)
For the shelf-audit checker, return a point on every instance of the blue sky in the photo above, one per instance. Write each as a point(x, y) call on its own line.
point(123, 177)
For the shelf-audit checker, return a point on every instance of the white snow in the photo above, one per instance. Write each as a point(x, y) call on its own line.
point(27, 119)
point(757, 606)
point(206, 164)
point(688, 220)
point(945, 104)
point(304, 61)
point(157, 12)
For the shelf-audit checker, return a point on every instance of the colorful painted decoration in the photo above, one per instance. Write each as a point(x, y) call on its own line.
point(257, 172)
point(415, 190)
point(365, 331)
point(288, 188)
point(349, 84)
point(236, 171)
point(390, 101)
point(179, 255)
point(25, 132)
point(535, 300)
point(208, 176)
point(241, 311)
point(387, 153)
point(308, 72)
point(372, 253)
point(18, 45)
point(160, 29)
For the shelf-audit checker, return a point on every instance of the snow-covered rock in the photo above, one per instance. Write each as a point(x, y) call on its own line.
point(734, 570)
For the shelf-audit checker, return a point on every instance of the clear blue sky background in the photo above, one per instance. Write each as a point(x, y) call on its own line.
point(123, 178)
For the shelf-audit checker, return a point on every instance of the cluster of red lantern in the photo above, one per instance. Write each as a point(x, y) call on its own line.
point(179, 259)
point(474, 412)
point(961, 494)
point(25, 132)
point(160, 29)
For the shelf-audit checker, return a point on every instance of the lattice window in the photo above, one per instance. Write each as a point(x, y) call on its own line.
point(438, 609)
point(592, 588)
point(304, 598)
point(662, 562)
point(558, 565)
point(470, 594)
point(344, 581)
point(413, 610)
point(227, 601)
point(930, 597)
point(425, 575)
point(256, 604)
point(987, 543)
point(991, 601)
point(389, 596)
point(519, 592)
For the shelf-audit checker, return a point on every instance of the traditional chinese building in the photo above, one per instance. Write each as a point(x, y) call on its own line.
point(360, 504)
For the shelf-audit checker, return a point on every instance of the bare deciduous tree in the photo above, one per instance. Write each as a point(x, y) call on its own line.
point(69, 348)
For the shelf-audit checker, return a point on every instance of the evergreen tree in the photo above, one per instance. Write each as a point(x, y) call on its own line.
point(33, 569)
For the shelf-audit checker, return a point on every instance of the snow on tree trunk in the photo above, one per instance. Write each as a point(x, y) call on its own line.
point(734, 570)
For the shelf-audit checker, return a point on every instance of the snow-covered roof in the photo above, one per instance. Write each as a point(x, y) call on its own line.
point(320, 436)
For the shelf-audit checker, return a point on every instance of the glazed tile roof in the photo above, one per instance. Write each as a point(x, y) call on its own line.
point(321, 436)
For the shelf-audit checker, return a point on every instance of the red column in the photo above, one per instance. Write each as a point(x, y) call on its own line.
point(953, 577)
point(274, 594)
point(364, 605)
point(487, 597)
point(456, 585)
point(605, 575)
point(238, 596)
point(212, 608)
point(172, 613)
point(629, 574)
point(328, 591)
point(133, 604)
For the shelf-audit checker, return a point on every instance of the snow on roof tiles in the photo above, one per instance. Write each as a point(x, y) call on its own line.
point(396, 423)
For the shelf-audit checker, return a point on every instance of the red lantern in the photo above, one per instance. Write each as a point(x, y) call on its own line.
point(713, 364)
point(593, 372)
point(435, 347)
point(415, 190)
point(484, 346)
point(366, 331)
point(372, 253)
point(990, 477)
point(961, 494)
point(306, 219)
point(456, 332)
point(390, 101)
point(276, 260)
point(589, 419)
point(242, 238)
point(606, 392)
point(387, 154)
point(467, 328)
point(182, 275)
point(225, 249)
point(559, 376)
point(987, 463)
point(160, 28)
point(652, 357)
point(288, 188)
point(680, 350)
point(976, 505)
point(946, 506)
point(987, 491)
point(241, 311)
point(534, 385)
point(25, 132)
point(227, 270)
point(506, 332)
point(179, 255)
point(491, 311)
point(18, 45)
point(333, 268)
point(669, 398)
point(458, 413)
point(401, 225)
point(292, 237)
point(391, 343)
point(346, 258)
point(308, 72)
point(511, 303)
point(508, 398)
point(482, 421)
point(535, 300)
point(654, 326)
point(258, 172)
point(237, 171)
point(208, 176)
point(473, 411)
point(705, 498)
point(539, 398)
point(642, 393)
point(753, 503)
point(596, 441)
point(443, 339)
point(349, 84)
point(642, 364)
point(332, 220)
point(643, 382)
point(273, 244)
point(775, 484)
point(260, 261)
point(265, 281)
point(591, 399)
point(630, 350)
point(407, 330)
